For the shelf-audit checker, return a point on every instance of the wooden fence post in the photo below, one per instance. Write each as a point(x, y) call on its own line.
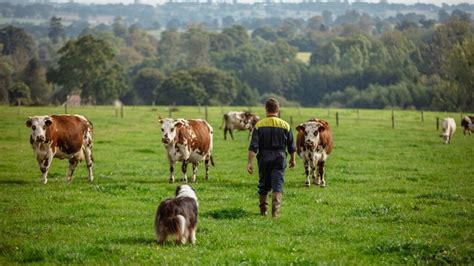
point(65, 108)
point(358, 115)
point(169, 111)
point(437, 123)
point(393, 120)
point(19, 107)
point(291, 121)
point(199, 108)
point(337, 118)
point(422, 117)
point(116, 112)
point(121, 111)
point(205, 110)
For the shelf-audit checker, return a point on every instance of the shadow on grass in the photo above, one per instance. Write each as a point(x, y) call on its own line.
point(13, 182)
point(135, 240)
point(227, 214)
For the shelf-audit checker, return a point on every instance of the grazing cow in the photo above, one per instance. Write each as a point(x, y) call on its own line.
point(449, 127)
point(189, 141)
point(64, 137)
point(313, 145)
point(238, 120)
point(467, 124)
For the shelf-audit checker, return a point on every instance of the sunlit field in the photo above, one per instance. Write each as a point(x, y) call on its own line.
point(393, 196)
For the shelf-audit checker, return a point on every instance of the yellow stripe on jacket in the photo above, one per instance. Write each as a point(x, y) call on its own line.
point(273, 122)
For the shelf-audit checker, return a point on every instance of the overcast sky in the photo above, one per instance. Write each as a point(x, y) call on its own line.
point(436, 2)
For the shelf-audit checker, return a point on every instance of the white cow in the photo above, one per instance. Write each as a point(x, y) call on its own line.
point(449, 127)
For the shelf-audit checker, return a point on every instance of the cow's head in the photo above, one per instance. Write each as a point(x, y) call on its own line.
point(169, 128)
point(312, 131)
point(445, 137)
point(250, 120)
point(38, 125)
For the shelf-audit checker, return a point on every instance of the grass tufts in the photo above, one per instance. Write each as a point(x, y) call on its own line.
point(441, 196)
point(230, 213)
point(418, 252)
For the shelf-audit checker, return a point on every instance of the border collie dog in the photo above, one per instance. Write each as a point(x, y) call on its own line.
point(178, 216)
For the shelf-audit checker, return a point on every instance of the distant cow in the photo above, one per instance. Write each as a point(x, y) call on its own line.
point(313, 145)
point(449, 127)
point(188, 141)
point(238, 120)
point(467, 124)
point(64, 137)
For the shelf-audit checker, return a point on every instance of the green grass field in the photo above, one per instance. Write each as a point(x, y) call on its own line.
point(394, 196)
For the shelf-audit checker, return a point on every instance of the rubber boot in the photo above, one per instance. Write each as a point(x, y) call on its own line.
point(263, 205)
point(276, 202)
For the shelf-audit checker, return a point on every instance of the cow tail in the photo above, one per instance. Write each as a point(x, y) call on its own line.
point(212, 161)
point(223, 121)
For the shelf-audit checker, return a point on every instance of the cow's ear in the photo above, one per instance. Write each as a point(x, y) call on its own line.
point(160, 119)
point(178, 124)
point(48, 121)
point(28, 122)
point(300, 128)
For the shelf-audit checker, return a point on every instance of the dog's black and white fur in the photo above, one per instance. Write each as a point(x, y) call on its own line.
point(178, 216)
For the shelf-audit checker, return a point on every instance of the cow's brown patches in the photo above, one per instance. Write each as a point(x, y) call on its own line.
point(67, 133)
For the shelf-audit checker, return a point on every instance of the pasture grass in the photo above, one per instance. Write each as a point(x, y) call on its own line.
point(394, 196)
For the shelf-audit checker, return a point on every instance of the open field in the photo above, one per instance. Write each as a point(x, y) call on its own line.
point(394, 196)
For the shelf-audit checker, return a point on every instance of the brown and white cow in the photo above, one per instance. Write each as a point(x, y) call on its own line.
point(64, 137)
point(188, 141)
point(238, 120)
point(467, 124)
point(313, 145)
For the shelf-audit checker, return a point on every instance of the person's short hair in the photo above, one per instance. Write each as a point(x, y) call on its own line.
point(272, 105)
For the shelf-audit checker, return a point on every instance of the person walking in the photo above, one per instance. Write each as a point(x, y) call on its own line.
point(270, 138)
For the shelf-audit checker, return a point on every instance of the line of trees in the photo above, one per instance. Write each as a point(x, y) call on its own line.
point(355, 62)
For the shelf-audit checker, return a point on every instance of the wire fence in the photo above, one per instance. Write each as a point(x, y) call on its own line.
point(296, 115)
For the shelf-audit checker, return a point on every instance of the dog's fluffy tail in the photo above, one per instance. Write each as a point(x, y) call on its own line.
point(182, 224)
point(175, 224)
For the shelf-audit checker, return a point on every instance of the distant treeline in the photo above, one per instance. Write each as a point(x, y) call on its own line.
point(405, 61)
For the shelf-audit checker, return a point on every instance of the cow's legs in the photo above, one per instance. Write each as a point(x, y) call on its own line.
point(70, 171)
point(44, 168)
point(171, 179)
point(321, 181)
point(184, 169)
point(225, 133)
point(306, 172)
point(89, 161)
point(313, 175)
point(231, 131)
point(88, 153)
point(195, 169)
